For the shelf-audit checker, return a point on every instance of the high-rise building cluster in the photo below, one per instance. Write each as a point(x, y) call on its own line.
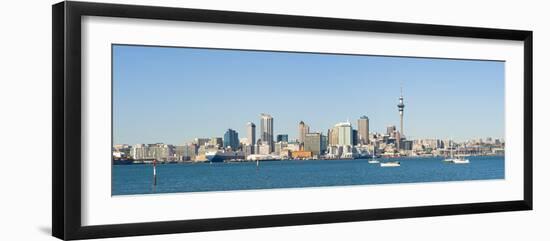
point(342, 140)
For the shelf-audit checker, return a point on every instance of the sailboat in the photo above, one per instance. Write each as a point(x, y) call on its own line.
point(373, 160)
point(459, 160)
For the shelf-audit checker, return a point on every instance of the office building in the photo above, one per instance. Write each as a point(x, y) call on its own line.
point(251, 133)
point(334, 136)
point(390, 130)
point(266, 130)
point(345, 134)
point(312, 143)
point(303, 129)
point(201, 141)
point(216, 141)
point(158, 151)
point(282, 138)
point(355, 137)
point(363, 130)
point(231, 139)
point(185, 152)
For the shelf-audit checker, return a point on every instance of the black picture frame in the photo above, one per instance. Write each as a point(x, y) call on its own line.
point(66, 75)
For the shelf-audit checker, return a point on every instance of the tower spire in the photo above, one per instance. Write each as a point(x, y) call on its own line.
point(401, 107)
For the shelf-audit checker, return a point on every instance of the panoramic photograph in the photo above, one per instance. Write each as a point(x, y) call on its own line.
point(202, 119)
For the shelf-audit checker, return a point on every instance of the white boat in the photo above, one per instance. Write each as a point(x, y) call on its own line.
point(459, 160)
point(390, 164)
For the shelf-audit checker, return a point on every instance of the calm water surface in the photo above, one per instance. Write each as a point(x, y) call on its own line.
point(199, 177)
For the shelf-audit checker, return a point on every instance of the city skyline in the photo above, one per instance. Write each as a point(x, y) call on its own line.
point(226, 89)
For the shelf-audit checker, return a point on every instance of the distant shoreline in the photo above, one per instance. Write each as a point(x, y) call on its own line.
point(277, 160)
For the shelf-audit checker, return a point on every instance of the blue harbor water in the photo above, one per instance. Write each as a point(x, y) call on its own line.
point(200, 177)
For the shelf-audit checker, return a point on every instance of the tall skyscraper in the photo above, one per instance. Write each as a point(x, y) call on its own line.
point(266, 130)
point(231, 139)
point(345, 134)
point(303, 129)
point(329, 137)
point(251, 133)
point(334, 136)
point(401, 107)
point(363, 130)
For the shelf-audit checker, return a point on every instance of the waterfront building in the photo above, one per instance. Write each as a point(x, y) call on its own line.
point(201, 141)
point(124, 149)
point(266, 130)
point(216, 141)
point(231, 139)
point(159, 151)
point(248, 150)
point(333, 152)
point(312, 143)
point(185, 152)
point(398, 140)
point(348, 151)
point(279, 146)
point(355, 137)
point(363, 130)
point(329, 136)
point(282, 138)
point(324, 143)
point(301, 154)
point(251, 133)
point(285, 154)
point(345, 134)
point(430, 144)
point(263, 149)
point(293, 146)
point(390, 130)
point(303, 129)
point(334, 136)
point(407, 145)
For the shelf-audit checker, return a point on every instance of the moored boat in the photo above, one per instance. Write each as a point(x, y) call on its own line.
point(461, 160)
point(373, 160)
point(390, 164)
point(456, 160)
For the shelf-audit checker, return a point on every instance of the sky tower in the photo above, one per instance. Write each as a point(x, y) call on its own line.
point(401, 106)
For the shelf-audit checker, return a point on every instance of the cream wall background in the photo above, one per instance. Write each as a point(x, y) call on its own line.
point(25, 119)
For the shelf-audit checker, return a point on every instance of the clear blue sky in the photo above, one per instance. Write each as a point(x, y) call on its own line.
point(173, 95)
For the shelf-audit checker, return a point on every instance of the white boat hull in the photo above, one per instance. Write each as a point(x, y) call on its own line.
point(457, 161)
point(390, 164)
point(461, 161)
